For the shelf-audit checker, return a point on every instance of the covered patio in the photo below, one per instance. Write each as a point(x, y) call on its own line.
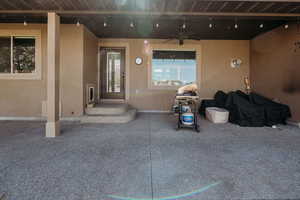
point(88, 87)
point(146, 159)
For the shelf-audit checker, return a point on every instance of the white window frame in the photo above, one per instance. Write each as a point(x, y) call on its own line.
point(37, 75)
point(171, 47)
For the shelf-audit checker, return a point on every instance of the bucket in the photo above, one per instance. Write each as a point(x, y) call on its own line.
point(187, 118)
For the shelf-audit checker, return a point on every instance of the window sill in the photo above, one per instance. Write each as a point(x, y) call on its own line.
point(152, 87)
point(33, 76)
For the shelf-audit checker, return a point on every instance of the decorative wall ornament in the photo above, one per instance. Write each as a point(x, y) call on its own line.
point(236, 62)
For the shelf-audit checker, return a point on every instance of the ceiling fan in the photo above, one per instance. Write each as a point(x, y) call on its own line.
point(182, 35)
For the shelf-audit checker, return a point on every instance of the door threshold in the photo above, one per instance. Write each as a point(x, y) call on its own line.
point(112, 100)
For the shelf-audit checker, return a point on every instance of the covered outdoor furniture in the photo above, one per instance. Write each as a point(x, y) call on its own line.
point(275, 113)
point(251, 110)
point(243, 112)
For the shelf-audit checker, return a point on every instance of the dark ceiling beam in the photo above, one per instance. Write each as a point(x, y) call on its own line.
point(143, 13)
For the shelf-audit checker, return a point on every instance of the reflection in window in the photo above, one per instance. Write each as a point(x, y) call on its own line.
point(173, 68)
point(20, 50)
point(113, 72)
point(5, 54)
point(24, 54)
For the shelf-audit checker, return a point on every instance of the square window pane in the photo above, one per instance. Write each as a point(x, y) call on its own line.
point(5, 55)
point(24, 54)
point(178, 71)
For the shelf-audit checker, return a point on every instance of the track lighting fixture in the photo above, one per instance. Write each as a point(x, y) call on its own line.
point(236, 26)
point(131, 24)
point(261, 25)
point(286, 26)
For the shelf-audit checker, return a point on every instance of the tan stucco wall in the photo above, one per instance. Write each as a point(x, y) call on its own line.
point(23, 98)
point(71, 70)
point(275, 67)
point(214, 71)
point(90, 62)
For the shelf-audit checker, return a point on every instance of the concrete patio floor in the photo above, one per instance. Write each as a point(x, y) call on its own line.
point(148, 159)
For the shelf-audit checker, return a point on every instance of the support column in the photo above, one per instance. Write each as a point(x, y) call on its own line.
point(53, 125)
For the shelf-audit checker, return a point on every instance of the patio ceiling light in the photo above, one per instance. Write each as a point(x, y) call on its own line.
point(286, 26)
point(261, 25)
point(131, 24)
point(236, 26)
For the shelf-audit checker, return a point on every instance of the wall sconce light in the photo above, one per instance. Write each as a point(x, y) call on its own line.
point(235, 63)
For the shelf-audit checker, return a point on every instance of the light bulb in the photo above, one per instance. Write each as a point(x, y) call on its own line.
point(25, 23)
point(157, 25)
point(210, 25)
point(184, 26)
point(78, 23)
point(236, 26)
point(286, 26)
point(261, 25)
point(104, 24)
point(131, 24)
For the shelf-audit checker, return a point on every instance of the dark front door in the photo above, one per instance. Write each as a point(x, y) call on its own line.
point(112, 73)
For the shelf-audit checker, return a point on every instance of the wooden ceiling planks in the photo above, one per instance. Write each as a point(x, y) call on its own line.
point(257, 6)
point(168, 13)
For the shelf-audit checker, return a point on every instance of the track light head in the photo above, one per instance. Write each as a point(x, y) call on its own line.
point(131, 24)
point(286, 26)
point(261, 25)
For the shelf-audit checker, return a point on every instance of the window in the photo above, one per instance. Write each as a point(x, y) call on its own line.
point(173, 68)
point(20, 54)
point(23, 55)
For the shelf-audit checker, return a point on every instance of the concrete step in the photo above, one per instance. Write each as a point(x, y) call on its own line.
point(107, 109)
point(126, 117)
